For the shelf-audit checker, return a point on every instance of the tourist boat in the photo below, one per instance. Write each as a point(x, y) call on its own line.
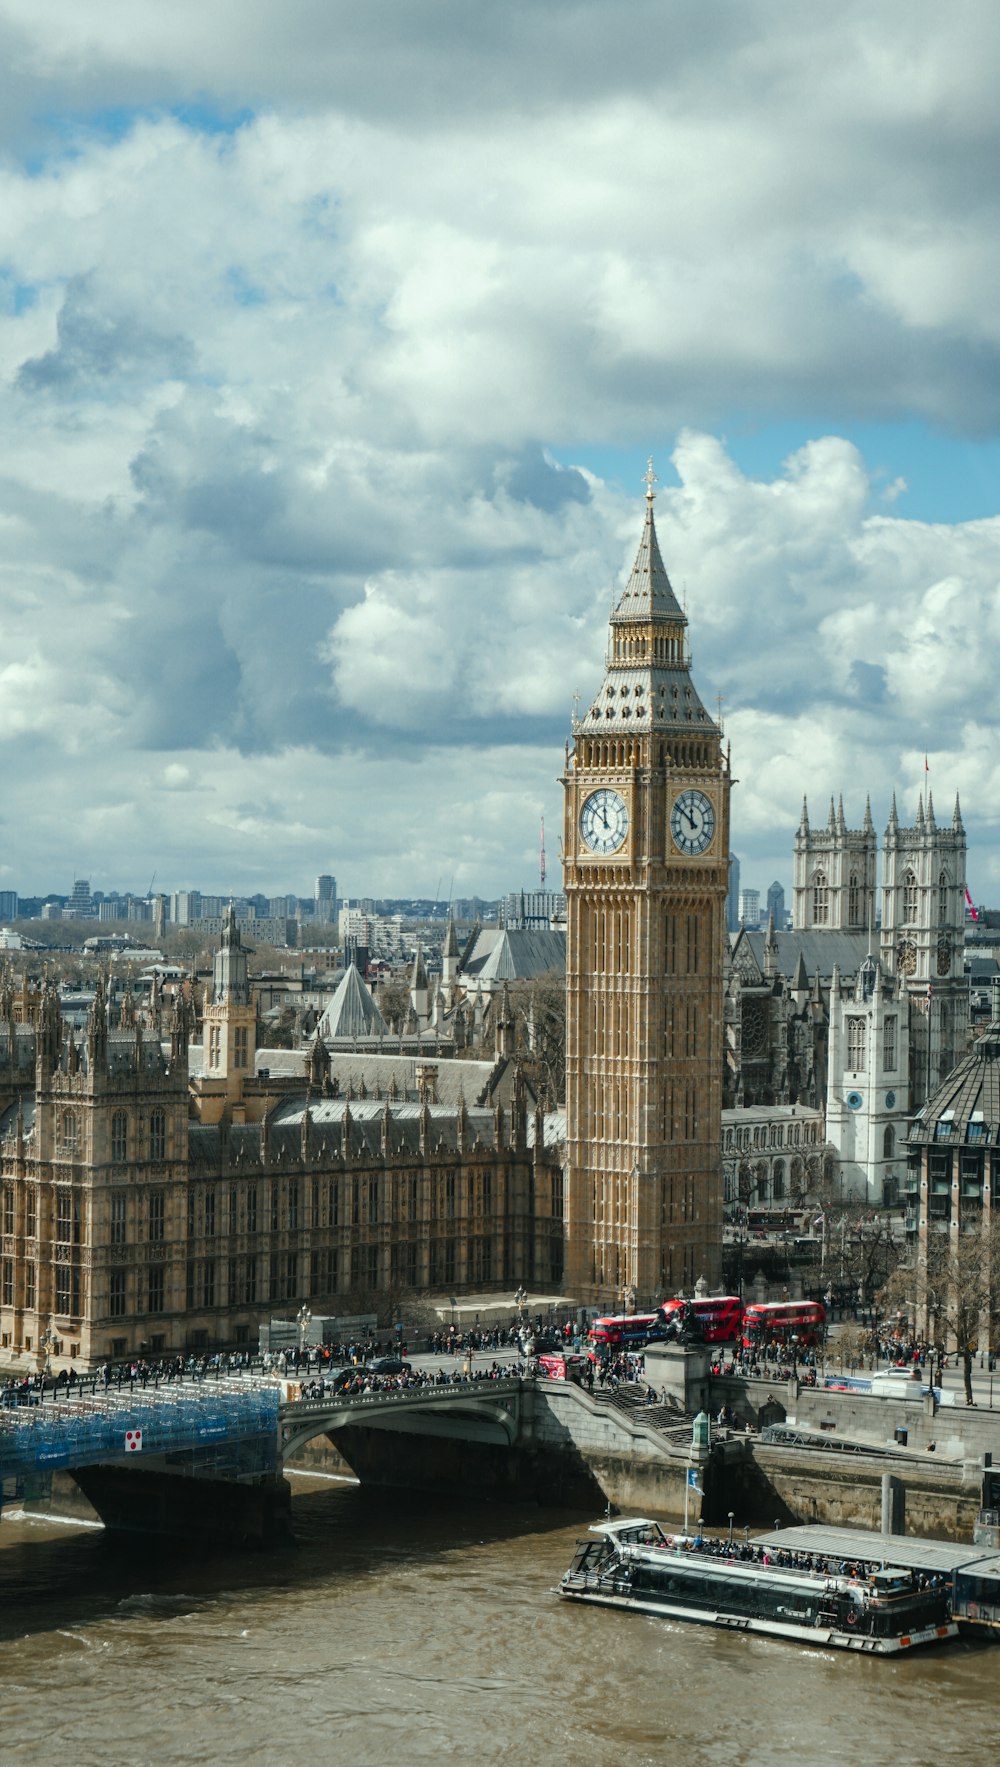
point(865, 1606)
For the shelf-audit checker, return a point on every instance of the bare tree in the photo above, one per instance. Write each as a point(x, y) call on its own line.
point(540, 1014)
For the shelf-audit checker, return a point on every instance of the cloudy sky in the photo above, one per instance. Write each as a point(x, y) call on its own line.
point(333, 340)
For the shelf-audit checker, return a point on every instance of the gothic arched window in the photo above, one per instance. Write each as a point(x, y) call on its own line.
point(69, 1132)
point(119, 1138)
point(157, 1135)
point(888, 1142)
point(778, 1180)
point(856, 1043)
point(821, 898)
point(854, 900)
point(909, 896)
point(943, 899)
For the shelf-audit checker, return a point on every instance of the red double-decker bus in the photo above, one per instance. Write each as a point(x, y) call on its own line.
point(721, 1316)
point(624, 1331)
point(782, 1321)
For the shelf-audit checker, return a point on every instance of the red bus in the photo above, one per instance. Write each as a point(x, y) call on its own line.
point(556, 1366)
point(783, 1320)
point(624, 1331)
point(721, 1316)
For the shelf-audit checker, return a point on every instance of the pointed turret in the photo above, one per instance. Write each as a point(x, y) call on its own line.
point(647, 684)
point(868, 826)
point(97, 1028)
point(930, 809)
point(841, 821)
point(831, 821)
point(770, 949)
point(420, 991)
point(648, 594)
point(804, 818)
point(956, 820)
point(450, 955)
point(919, 823)
point(892, 827)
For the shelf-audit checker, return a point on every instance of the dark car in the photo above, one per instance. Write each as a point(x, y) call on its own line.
point(345, 1377)
point(387, 1365)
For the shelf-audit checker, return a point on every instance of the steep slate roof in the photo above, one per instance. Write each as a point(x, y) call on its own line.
point(481, 943)
point(819, 952)
point(518, 955)
point(352, 1012)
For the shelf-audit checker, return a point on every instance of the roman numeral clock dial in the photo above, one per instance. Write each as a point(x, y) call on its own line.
point(692, 823)
point(604, 821)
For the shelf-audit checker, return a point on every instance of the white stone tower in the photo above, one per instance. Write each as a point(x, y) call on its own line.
point(867, 1090)
point(833, 886)
point(923, 931)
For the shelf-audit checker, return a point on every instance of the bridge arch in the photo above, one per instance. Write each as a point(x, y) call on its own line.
point(487, 1412)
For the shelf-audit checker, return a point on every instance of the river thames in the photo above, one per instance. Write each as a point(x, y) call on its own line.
point(418, 1632)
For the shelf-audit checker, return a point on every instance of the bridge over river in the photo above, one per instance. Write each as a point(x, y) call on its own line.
point(207, 1456)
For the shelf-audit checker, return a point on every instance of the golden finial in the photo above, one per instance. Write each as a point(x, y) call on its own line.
point(650, 480)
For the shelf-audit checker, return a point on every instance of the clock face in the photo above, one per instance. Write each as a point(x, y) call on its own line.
point(604, 821)
point(692, 822)
point(855, 1101)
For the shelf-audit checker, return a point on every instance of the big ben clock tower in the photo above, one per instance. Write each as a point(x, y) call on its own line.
point(646, 874)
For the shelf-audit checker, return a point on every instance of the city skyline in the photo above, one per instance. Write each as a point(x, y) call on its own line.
point(334, 347)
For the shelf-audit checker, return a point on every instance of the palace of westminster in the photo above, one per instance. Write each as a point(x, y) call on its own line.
point(167, 1183)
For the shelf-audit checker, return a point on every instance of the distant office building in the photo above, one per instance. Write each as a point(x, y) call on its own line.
point(385, 935)
point(80, 904)
point(733, 895)
point(325, 898)
point(8, 904)
point(185, 906)
point(534, 908)
point(776, 905)
point(750, 907)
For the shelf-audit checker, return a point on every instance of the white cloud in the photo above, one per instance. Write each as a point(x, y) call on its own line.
point(276, 515)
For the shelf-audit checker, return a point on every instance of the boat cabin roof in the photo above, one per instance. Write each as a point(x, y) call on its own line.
point(902, 1550)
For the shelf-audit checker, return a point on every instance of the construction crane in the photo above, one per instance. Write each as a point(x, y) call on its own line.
point(541, 858)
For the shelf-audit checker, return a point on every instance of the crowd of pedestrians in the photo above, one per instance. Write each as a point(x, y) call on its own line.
point(363, 1380)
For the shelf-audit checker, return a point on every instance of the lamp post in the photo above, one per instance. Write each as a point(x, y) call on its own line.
point(732, 1514)
point(303, 1320)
